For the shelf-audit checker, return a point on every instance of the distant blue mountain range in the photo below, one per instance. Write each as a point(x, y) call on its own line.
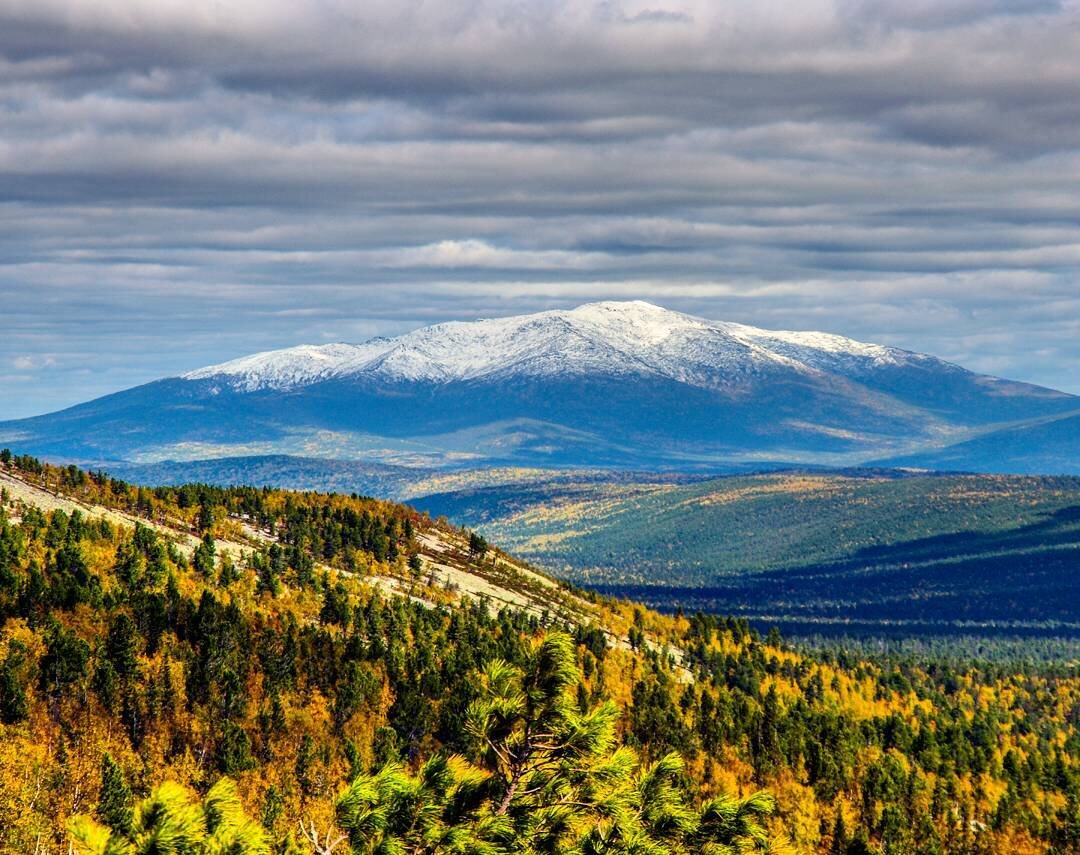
point(604, 385)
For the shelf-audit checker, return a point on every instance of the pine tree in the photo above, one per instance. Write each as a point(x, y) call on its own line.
point(204, 555)
point(64, 661)
point(105, 683)
point(304, 768)
point(206, 517)
point(128, 564)
point(526, 720)
point(543, 776)
point(122, 646)
point(273, 805)
point(478, 546)
point(171, 821)
point(13, 703)
point(267, 572)
point(228, 572)
point(234, 749)
point(839, 844)
point(114, 807)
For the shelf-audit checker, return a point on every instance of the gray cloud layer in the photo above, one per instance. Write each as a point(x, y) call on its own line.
point(181, 182)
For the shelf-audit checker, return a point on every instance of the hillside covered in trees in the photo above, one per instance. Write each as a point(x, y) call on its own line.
point(251, 670)
point(873, 551)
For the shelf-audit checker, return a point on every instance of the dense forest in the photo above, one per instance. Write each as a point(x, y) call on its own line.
point(214, 670)
point(873, 551)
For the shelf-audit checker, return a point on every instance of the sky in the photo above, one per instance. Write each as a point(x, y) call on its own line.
point(186, 181)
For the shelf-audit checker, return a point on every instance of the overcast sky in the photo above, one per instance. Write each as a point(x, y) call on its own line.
point(184, 181)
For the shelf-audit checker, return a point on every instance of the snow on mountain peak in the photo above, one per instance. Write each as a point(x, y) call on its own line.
point(282, 369)
point(610, 337)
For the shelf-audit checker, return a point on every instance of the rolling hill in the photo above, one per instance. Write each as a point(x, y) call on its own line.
point(867, 551)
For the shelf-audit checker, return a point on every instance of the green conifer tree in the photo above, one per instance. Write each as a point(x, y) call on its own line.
point(13, 703)
point(839, 843)
point(114, 807)
point(543, 776)
point(204, 555)
point(171, 821)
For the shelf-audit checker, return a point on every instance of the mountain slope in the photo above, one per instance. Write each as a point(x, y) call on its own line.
point(286, 640)
point(818, 551)
point(615, 384)
point(1044, 445)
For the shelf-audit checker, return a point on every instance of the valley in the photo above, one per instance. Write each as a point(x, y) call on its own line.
point(864, 552)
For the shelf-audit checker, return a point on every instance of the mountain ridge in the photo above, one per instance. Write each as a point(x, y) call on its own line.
point(610, 384)
point(463, 350)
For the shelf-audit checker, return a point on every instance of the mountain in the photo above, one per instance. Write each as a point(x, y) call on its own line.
point(612, 384)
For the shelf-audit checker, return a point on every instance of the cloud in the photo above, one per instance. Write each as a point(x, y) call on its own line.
point(185, 182)
point(30, 363)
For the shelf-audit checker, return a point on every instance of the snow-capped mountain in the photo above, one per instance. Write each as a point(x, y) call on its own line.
point(611, 338)
point(613, 383)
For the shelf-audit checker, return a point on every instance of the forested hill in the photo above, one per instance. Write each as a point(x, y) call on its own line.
point(397, 685)
point(881, 551)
